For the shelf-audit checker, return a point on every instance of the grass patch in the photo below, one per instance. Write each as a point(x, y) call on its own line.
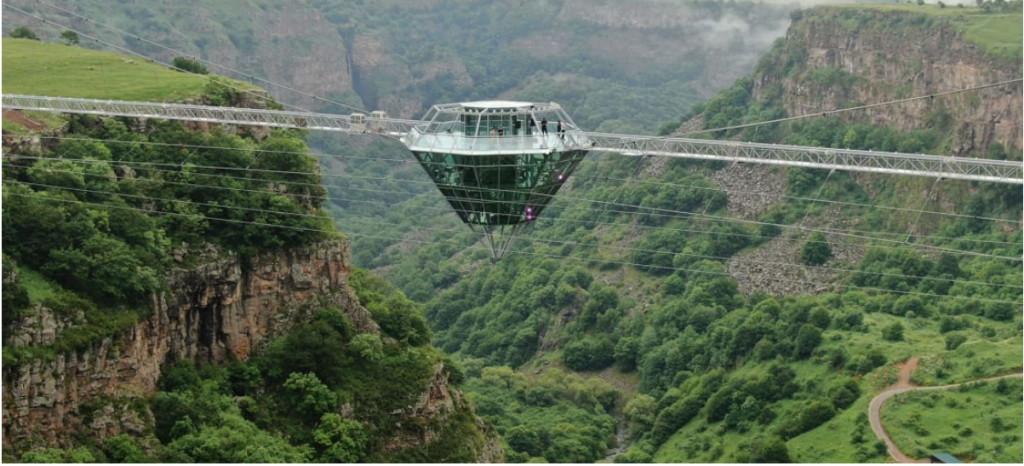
point(37, 68)
point(38, 287)
point(48, 119)
point(1000, 35)
point(977, 423)
point(16, 129)
point(844, 438)
point(977, 358)
point(997, 33)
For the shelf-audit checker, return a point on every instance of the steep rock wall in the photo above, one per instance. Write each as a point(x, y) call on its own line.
point(217, 312)
point(840, 57)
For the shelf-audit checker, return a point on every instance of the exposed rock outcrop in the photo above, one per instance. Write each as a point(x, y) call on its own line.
point(836, 57)
point(220, 311)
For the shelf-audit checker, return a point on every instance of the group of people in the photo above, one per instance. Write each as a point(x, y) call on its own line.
point(543, 127)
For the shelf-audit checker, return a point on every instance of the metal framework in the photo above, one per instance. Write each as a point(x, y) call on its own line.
point(962, 168)
point(934, 166)
point(390, 127)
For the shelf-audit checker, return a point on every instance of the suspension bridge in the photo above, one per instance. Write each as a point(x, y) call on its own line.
point(499, 164)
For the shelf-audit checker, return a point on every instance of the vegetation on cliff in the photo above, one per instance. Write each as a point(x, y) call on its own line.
point(100, 209)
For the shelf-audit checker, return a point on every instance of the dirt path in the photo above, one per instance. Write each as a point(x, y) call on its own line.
point(903, 385)
point(20, 118)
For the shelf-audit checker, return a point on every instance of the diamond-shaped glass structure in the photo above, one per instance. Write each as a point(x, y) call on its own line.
point(499, 163)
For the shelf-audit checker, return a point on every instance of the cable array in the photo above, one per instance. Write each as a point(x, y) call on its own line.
point(649, 211)
point(574, 243)
point(289, 227)
point(578, 176)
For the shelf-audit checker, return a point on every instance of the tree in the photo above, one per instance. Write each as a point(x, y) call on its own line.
point(954, 340)
point(368, 346)
point(816, 250)
point(124, 449)
point(820, 318)
point(634, 455)
point(807, 339)
point(340, 440)
point(233, 440)
point(524, 439)
point(69, 37)
point(22, 32)
point(589, 354)
point(641, 411)
point(765, 450)
point(674, 417)
point(814, 415)
point(893, 332)
point(308, 396)
point(843, 392)
point(673, 285)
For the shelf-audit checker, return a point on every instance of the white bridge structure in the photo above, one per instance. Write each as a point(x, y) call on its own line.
point(961, 168)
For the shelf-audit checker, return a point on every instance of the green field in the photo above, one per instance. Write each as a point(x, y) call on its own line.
point(978, 423)
point(37, 68)
point(998, 33)
point(47, 119)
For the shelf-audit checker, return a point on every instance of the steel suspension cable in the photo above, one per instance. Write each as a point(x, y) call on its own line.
point(883, 290)
point(578, 176)
point(856, 234)
point(463, 231)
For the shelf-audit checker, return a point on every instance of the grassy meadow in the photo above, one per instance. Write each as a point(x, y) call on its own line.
point(38, 68)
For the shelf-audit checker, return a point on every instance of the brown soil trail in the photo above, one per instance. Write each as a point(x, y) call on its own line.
point(20, 118)
point(904, 385)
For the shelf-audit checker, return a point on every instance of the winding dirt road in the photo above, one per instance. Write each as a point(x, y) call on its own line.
point(903, 386)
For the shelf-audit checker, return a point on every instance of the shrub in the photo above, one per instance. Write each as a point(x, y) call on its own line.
point(893, 332)
point(22, 32)
point(816, 250)
point(70, 38)
point(954, 340)
point(589, 354)
point(190, 65)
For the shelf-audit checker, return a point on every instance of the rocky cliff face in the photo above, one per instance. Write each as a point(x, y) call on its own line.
point(838, 57)
point(223, 310)
point(841, 57)
point(217, 312)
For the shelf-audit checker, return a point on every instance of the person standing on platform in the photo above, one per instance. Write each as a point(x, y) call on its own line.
point(544, 126)
point(561, 130)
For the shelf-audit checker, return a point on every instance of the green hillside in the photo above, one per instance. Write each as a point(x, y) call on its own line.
point(635, 272)
point(39, 68)
point(91, 223)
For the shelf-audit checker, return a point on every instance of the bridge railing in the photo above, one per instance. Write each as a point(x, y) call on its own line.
point(210, 114)
point(964, 168)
